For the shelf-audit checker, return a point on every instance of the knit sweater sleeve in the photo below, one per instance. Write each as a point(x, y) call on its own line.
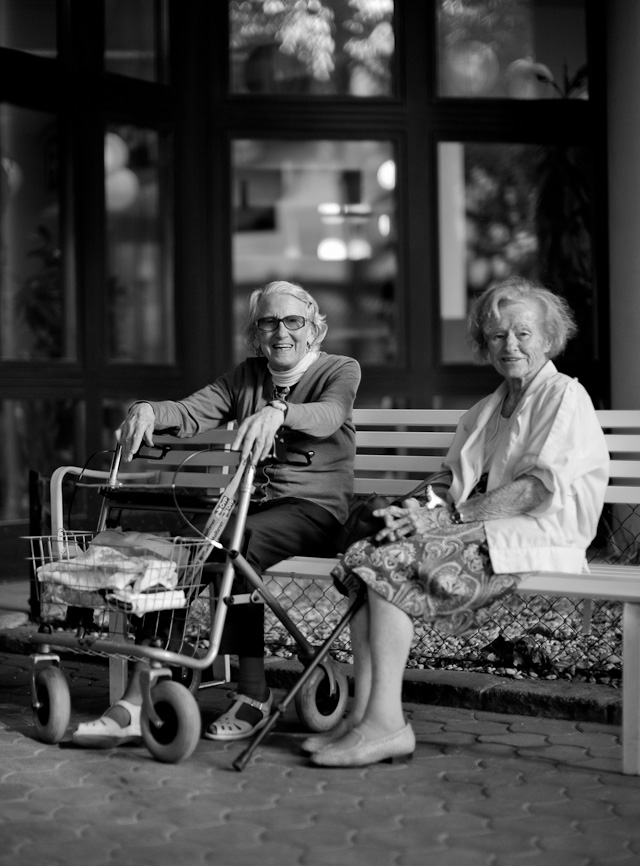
point(328, 400)
point(211, 406)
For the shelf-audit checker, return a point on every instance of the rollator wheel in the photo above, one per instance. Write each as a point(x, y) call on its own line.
point(52, 717)
point(316, 706)
point(178, 737)
point(188, 677)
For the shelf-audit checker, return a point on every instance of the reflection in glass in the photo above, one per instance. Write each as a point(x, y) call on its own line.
point(29, 25)
point(319, 47)
point(39, 435)
point(37, 319)
point(138, 247)
point(513, 209)
point(514, 49)
point(316, 213)
point(131, 37)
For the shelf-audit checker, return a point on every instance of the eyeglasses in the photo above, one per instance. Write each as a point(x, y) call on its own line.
point(272, 323)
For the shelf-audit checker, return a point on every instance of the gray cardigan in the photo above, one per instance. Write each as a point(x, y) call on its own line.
point(318, 419)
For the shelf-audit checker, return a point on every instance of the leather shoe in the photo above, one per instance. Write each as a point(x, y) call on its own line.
point(318, 742)
point(353, 750)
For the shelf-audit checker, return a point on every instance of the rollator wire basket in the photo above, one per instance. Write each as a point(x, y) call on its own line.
point(132, 573)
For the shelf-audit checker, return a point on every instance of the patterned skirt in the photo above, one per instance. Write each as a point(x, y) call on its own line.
point(445, 576)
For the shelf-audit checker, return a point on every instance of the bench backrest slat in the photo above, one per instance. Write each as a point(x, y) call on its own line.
point(200, 462)
point(409, 417)
point(402, 439)
point(396, 449)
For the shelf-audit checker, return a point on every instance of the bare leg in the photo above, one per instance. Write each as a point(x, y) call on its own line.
point(119, 724)
point(133, 694)
point(359, 632)
point(382, 734)
point(390, 633)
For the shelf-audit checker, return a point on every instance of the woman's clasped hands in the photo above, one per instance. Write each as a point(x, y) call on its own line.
point(411, 518)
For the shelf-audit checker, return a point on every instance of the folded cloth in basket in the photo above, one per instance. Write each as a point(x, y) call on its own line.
point(139, 603)
point(103, 567)
point(54, 593)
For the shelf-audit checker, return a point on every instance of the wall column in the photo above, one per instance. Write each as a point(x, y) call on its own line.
point(623, 134)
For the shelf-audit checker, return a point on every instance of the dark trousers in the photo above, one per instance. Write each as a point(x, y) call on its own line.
point(274, 531)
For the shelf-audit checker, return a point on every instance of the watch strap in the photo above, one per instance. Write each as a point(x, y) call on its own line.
point(278, 404)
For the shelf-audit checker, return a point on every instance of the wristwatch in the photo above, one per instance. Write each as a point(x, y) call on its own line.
point(456, 516)
point(279, 404)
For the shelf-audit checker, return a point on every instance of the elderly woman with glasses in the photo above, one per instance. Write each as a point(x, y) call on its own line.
point(292, 386)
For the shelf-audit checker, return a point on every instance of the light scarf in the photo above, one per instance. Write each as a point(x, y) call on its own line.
point(288, 378)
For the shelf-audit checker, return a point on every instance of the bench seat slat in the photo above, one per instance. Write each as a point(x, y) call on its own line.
point(622, 495)
point(602, 583)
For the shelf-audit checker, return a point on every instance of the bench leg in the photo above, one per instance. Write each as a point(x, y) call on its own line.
point(631, 690)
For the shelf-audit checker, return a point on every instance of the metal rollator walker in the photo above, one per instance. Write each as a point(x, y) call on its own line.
point(76, 568)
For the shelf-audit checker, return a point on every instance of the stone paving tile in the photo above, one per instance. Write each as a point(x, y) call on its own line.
point(446, 857)
point(603, 847)
point(628, 808)
point(544, 858)
point(355, 855)
point(448, 824)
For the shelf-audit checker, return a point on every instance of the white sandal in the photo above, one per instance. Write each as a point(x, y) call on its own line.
point(229, 727)
point(105, 732)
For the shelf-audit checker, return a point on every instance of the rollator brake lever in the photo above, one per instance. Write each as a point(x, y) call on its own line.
point(273, 458)
point(158, 452)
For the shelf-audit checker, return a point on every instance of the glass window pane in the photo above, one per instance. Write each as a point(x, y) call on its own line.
point(513, 209)
point(318, 47)
point(140, 285)
point(39, 435)
point(29, 25)
point(321, 214)
point(37, 316)
point(513, 49)
point(131, 38)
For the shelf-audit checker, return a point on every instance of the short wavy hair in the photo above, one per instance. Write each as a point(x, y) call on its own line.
point(317, 320)
point(558, 322)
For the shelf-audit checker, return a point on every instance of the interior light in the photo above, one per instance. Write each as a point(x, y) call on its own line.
point(121, 189)
point(116, 153)
point(329, 209)
point(358, 249)
point(361, 209)
point(387, 174)
point(332, 250)
point(384, 225)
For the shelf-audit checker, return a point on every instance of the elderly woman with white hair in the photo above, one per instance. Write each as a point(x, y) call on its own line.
point(522, 486)
point(289, 385)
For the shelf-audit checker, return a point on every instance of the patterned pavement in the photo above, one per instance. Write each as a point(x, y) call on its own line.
point(483, 789)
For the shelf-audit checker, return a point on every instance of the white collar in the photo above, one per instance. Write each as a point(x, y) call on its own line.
point(288, 378)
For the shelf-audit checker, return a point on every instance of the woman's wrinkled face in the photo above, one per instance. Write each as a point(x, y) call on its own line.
point(518, 347)
point(284, 348)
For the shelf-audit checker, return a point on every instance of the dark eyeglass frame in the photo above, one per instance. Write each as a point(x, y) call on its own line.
point(293, 320)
